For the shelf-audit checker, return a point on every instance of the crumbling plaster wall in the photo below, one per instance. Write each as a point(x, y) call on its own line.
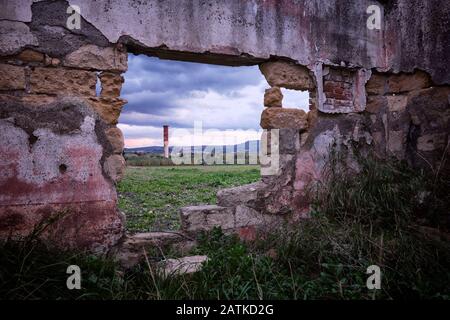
point(62, 150)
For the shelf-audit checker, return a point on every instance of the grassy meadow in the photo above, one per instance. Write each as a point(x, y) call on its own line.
point(151, 197)
point(387, 215)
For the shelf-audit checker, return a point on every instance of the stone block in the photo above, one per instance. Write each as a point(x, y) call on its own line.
point(146, 239)
point(376, 85)
point(397, 103)
point(92, 57)
point(289, 141)
point(246, 216)
point(114, 167)
point(195, 218)
point(131, 250)
point(108, 108)
point(29, 55)
point(396, 141)
point(408, 82)
point(62, 81)
point(431, 142)
point(115, 138)
point(31, 100)
point(239, 195)
point(273, 97)
point(287, 75)
point(225, 220)
point(280, 118)
point(376, 104)
point(15, 36)
point(12, 77)
point(111, 84)
point(182, 266)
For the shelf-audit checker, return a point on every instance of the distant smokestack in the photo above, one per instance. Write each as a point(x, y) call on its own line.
point(166, 141)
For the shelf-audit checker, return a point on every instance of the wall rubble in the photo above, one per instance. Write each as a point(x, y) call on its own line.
point(63, 148)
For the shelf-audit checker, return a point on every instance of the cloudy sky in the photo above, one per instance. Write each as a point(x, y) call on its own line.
point(225, 101)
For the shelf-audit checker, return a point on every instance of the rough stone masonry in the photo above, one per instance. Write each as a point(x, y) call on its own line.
point(385, 90)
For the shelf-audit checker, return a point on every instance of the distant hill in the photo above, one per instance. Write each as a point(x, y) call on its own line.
point(248, 146)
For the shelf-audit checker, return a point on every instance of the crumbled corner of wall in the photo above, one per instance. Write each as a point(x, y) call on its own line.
point(39, 94)
point(293, 126)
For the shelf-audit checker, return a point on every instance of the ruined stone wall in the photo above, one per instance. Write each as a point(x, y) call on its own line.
point(416, 37)
point(61, 150)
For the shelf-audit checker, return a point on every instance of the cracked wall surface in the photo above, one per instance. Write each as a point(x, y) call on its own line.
point(384, 90)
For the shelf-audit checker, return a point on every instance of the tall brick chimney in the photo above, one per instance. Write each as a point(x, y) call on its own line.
point(166, 141)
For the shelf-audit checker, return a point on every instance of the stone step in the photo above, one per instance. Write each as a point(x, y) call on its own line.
point(182, 266)
point(206, 217)
point(130, 251)
point(242, 195)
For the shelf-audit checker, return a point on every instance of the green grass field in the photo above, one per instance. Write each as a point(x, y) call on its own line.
point(151, 197)
point(357, 221)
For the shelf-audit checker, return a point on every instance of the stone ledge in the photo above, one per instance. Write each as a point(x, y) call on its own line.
point(92, 57)
point(284, 118)
point(131, 250)
point(287, 75)
point(205, 217)
point(182, 266)
point(239, 195)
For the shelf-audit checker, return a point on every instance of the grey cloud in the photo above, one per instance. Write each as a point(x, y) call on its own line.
point(154, 87)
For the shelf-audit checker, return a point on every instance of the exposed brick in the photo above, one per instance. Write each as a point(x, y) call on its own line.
point(341, 95)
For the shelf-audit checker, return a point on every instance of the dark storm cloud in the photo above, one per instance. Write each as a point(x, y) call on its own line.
point(156, 87)
point(149, 73)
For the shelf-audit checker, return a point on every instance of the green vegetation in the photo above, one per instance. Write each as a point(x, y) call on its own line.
point(152, 196)
point(374, 217)
point(147, 160)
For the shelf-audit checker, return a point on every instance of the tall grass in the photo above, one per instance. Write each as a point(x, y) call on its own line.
point(373, 217)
